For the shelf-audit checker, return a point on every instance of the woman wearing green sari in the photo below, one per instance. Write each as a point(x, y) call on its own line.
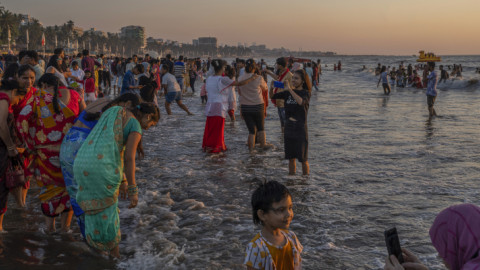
point(108, 152)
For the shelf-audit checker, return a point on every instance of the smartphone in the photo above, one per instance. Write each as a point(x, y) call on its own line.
point(393, 244)
point(278, 84)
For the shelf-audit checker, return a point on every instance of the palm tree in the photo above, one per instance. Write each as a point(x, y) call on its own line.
point(11, 21)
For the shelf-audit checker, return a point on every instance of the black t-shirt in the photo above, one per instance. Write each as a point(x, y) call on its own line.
point(144, 80)
point(292, 108)
point(169, 65)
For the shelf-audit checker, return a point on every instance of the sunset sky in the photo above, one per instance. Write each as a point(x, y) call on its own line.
point(344, 26)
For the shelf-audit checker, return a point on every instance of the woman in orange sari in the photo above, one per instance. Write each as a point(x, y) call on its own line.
point(43, 122)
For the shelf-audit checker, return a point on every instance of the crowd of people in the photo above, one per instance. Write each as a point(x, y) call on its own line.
point(78, 147)
point(74, 125)
point(409, 76)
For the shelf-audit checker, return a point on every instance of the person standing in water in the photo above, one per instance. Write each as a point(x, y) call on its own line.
point(218, 88)
point(99, 168)
point(173, 91)
point(296, 99)
point(50, 113)
point(431, 89)
point(443, 75)
point(384, 79)
point(10, 95)
point(252, 105)
point(284, 76)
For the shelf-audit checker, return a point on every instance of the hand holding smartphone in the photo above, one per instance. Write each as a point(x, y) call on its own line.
point(393, 244)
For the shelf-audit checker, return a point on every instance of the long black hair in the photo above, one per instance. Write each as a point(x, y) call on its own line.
point(11, 72)
point(306, 80)
point(10, 85)
point(53, 62)
point(133, 98)
point(51, 80)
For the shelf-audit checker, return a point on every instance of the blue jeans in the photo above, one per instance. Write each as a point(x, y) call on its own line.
point(281, 115)
point(180, 82)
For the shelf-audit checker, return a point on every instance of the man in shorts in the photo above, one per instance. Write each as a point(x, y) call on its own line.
point(172, 90)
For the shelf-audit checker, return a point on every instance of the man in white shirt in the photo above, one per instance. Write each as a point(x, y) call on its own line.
point(172, 90)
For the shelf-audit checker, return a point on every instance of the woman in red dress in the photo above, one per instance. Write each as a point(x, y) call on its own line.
point(43, 122)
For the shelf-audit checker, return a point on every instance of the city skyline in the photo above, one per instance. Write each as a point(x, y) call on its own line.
point(372, 27)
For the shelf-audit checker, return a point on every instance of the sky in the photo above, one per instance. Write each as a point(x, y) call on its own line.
point(401, 27)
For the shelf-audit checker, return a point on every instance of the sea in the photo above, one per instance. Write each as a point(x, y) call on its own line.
point(376, 162)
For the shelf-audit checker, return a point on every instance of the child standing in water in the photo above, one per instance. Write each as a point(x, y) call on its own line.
point(384, 79)
point(274, 247)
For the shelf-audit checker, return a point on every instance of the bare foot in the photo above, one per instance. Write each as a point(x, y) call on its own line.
point(267, 146)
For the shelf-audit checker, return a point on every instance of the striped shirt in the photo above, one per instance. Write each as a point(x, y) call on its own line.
point(179, 69)
point(259, 256)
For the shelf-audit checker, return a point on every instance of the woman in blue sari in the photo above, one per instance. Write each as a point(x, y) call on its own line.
point(74, 139)
point(99, 171)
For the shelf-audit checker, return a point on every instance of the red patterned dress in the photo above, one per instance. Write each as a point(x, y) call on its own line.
point(43, 130)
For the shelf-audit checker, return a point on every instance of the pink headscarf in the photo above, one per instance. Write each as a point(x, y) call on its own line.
point(455, 234)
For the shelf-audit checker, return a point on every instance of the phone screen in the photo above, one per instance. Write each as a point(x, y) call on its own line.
point(393, 244)
point(278, 84)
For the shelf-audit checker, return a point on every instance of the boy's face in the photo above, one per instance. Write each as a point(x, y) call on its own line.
point(280, 214)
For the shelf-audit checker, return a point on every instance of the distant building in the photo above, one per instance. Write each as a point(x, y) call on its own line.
point(258, 47)
point(207, 42)
point(152, 40)
point(134, 32)
point(96, 32)
point(25, 19)
point(195, 42)
point(78, 30)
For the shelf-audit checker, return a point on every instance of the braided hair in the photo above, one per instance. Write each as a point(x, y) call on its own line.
point(51, 80)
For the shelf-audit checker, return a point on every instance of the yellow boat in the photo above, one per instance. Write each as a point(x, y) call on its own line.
point(428, 57)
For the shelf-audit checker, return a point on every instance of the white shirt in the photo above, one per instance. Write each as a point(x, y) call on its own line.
point(217, 92)
point(171, 82)
point(79, 74)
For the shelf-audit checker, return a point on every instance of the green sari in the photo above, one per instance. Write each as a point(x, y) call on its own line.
point(98, 170)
